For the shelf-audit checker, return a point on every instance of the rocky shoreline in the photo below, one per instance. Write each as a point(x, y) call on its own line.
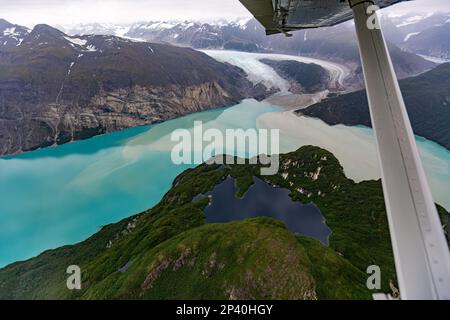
point(55, 88)
point(56, 124)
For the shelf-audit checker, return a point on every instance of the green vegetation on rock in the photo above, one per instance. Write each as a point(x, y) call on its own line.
point(427, 100)
point(170, 252)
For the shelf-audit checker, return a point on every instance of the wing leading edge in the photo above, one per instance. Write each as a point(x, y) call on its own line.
point(287, 15)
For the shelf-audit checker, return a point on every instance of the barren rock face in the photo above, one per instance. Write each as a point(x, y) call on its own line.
point(55, 88)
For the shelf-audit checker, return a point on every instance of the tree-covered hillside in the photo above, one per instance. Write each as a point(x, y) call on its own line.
point(170, 252)
point(427, 99)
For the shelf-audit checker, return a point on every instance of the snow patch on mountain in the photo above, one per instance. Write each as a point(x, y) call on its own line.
point(409, 35)
point(434, 59)
point(159, 25)
point(242, 23)
point(91, 48)
point(414, 19)
point(76, 41)
point(16, 34)
point(9, 31)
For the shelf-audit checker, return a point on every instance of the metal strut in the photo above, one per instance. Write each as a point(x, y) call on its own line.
point(421, 253)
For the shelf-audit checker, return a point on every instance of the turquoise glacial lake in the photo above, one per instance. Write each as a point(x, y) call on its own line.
point(62, 195)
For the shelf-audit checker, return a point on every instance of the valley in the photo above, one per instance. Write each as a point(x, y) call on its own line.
point(427, 99)
point(99, 84)
point(87, 177)
point(337, 44)
point(170, 252)
point(120, 174)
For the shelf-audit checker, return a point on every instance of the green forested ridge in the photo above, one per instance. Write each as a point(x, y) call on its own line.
point(55, 89)
point(304, 77)
point(427, 99)
point(170, 252)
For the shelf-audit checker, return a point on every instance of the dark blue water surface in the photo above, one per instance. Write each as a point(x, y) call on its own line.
point(262, 199)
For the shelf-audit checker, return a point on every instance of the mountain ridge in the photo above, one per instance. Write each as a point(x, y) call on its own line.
point(169, 251)
point(427, 100)
point(429, 42)
point(56, 88)
point(336, 43)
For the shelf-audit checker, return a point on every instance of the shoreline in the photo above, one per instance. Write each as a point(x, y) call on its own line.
point(355, 148)
point(293, 101)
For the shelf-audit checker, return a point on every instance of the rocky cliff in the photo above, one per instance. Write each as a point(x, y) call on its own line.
point(427, 100)
point(170, 252)
point(55, 88)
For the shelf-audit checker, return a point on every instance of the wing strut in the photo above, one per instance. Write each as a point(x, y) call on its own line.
point(422, 256)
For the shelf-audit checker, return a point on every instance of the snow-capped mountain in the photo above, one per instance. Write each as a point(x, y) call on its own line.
point(16, 36)
point(55, 88)
point(411, 23)
point(241, 34)
point(427, 35)
point(336, 43)
point(97, 28)
point(11, 35)
point(433, 42)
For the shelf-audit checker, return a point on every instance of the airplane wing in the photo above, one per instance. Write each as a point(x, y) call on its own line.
point(288, 15)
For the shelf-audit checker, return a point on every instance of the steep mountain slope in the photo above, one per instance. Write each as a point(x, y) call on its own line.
point(96, 28)
point(412, 23)
point(427, 99)
point(424, 34)
point(11, 35)
point(55, 88)
point(304, 77)
point(434, 42)
point(245, 35)
point(169, 251)
point(337, 43)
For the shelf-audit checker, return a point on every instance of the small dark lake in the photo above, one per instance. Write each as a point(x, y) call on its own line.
point(262, 199)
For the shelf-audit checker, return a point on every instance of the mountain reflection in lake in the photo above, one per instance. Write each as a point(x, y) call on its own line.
point(262, 199)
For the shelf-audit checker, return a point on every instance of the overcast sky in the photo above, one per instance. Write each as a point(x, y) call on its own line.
point(68, 12)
